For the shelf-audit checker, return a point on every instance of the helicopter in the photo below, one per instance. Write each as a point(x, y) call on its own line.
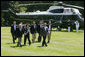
point(59, 14)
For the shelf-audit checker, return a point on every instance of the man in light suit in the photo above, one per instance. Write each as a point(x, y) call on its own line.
point(13, 31)
point(49, 31)
point(44, 32)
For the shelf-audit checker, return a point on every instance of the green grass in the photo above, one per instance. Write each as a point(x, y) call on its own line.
point(62, 44)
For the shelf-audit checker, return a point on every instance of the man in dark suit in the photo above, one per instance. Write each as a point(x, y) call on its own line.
point(22, 25)
point(39, 30)
point(13, 31)
point(33, 31)
point(26, 34)
point(44, 32)
point(49, 30)
point(20, 32)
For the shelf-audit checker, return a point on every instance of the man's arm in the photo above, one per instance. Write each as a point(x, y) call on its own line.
point(11, 28)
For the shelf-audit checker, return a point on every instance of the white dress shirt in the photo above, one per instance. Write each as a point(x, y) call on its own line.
point(40, 26)
point(20, 29)
point(14, 27)
point(34, 26)
point(77, 24)
point(45, 27)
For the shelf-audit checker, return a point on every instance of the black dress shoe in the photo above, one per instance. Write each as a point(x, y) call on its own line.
point(46, 45)
point(29, 44)
point(20, 45)
point(17, 45)
point(42, 45)
point(39, 41)
point(13, 42)
point(48, 42)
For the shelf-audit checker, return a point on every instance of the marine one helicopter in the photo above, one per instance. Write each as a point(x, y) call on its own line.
point(59, 14)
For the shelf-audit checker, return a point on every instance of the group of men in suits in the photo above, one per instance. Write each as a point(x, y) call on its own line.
point(42, 29)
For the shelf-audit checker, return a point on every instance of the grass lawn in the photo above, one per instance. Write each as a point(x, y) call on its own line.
point(62, 44)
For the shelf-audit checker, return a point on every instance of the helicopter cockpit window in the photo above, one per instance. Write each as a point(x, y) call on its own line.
point(57, 11)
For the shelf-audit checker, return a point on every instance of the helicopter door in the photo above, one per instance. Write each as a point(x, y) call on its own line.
point(67, 10)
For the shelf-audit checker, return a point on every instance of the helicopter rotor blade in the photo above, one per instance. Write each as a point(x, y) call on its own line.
point(36, 4)
point(74, 6)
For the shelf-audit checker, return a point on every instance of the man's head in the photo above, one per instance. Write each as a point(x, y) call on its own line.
point(34, 22)
point(27, 25)
point(14, 22)
point(41, 22)
point(49, 21)
point(44, 24)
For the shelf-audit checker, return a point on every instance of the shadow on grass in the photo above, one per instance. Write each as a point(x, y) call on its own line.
point(11, 43)
point(36, 42)
point(14, 46)
point(39, 46)
point(17, 46)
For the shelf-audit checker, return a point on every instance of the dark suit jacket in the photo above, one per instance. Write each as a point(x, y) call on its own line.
point(38, 28)
point(12, 29)
point(20, 33)
point(33, 30)
point(43, 31)
point(26, 31)
point(48, 26)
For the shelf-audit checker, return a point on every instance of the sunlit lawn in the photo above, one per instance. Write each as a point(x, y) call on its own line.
point(62, 44)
